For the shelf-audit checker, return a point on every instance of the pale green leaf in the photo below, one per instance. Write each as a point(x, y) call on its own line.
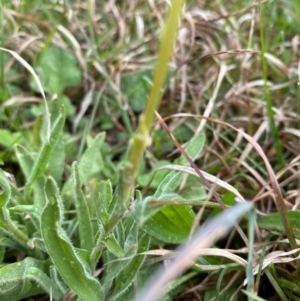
point(6, 223)
point(26, 161)
point(61, 251)
point(57, 70)
point(8, 139)
point(83, 215)
point(45, 153)
point(273, 221)
point(24, 279)
point(126, 277)
point(91, 162)
point(113, 246)
point(171, 224)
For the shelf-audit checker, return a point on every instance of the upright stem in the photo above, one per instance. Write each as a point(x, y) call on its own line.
point(274, 132)
point(141, 139)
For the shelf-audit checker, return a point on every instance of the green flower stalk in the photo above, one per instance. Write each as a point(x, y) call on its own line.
point(141, 139)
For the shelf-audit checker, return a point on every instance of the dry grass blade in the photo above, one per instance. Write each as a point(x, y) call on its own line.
point(167, 254)
point(85, 104)
point(208, 177)
point(199, 173)
point(255, 4)
point(262, 128)
point(278, 63)
point(20, 99)
point(278, 197)
point(208, 234)
point(76, 46)
point(206, 56)
point(278, 257)
point(36, 78)
point(211, 103)
point(279, 200)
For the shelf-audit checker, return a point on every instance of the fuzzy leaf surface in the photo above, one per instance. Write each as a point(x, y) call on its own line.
point(61, 251)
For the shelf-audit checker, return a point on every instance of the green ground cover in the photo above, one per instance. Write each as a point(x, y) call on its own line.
point(149, 150)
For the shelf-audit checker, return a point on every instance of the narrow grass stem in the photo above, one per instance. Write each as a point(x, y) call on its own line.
point(274, 132)
point(141, 139)
point(280, 204)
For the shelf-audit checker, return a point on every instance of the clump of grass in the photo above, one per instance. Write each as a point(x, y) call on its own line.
point(100, 228)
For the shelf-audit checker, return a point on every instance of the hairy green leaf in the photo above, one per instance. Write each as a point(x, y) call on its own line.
point(10, 227)
point(128, 274)
point(91, 161)
point(26, 162)
point(173, 223)
point(115, 266)
point(193, 149)
point(113, 245)
point(151, 205)
point(61, 251)
point(25, 279)
point(83, 215)
point(46, 150)
point(57, 160)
